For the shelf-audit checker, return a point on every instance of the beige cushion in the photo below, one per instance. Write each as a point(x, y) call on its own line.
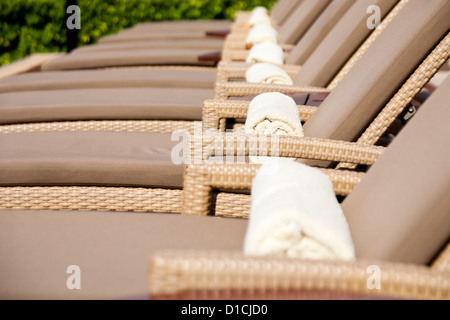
point(89, 158)
point(126, 58)
point(381, 71)
point(213, 44)
point(282, 10)
point(103, 104)
point(112, 249)
point(154, 35)
point(339, 45)
point(400, 210)
point(120, 78)
point(300, 20)
point(321, 27)
point(180, 25)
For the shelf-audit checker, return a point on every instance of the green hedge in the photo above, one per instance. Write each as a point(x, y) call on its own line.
point(29, 26)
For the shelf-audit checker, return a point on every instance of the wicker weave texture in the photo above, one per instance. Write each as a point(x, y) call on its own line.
point(232, 205)
point(91, 199)
point(214, 111)
point(220, 275)
point(442, 263)
point(201, 180)
point(290, 147)
point(237, 70)
point(157, 126)
point(225, 90)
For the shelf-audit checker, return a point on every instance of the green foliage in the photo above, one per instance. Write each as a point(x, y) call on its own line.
point(29, 26)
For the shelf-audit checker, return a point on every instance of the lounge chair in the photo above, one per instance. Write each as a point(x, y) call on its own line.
point(113, 250)
point(187, 34)
point(148, 163)
point(397, 227)
point(172, 29)
point(112, 78)
point(167, 56)
point(190, 77)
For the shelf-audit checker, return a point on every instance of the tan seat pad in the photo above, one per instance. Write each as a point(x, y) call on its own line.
point(117, 78)
point(103, 104)
point(89, 159)
point(112, 249)
point(127, 58)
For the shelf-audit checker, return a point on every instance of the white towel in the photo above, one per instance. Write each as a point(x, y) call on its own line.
point(261, 33)
point(295, 213)
point(266, 52)
point(259, 16)
point(268, 73)
point(273, 113)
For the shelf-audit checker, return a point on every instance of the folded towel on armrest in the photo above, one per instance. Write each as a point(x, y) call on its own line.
point(259, 16)
point(266, 52)
point(261, 33)
point(268, 73)
point(273, 113)
point(295, 213)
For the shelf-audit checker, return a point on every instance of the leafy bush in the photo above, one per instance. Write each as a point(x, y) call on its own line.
point(29, 26)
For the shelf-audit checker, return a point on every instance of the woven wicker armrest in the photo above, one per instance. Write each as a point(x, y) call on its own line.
point(227, 70)
point(156, 126)
point(241, 55)
point(215, 113)
point(219, 275)
point(239, 43)
point(201, 180)
point(225, 90)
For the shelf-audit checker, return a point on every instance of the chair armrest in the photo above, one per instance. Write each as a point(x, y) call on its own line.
point(227, 70)
point(225, 90)
point(201, 180)
point(231, 275)
point(234, 42)
point(215, 113)
point(219, 143)
point(241, 55)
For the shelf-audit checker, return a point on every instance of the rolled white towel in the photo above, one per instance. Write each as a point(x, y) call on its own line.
point(295, 213)
point(273, 113)
point(268, 73)
point(259, 16)
point(266, 52)
point(261, 33)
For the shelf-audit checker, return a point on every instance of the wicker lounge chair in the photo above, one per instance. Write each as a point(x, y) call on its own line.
point(149, 164)
point(139, 104)
point(408, 226)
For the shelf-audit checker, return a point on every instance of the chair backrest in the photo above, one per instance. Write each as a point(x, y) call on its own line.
point(317, 32)
point(340, 43)
point(283, 9)
point(400, 211)
point(300, 20)
point(379, 74)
